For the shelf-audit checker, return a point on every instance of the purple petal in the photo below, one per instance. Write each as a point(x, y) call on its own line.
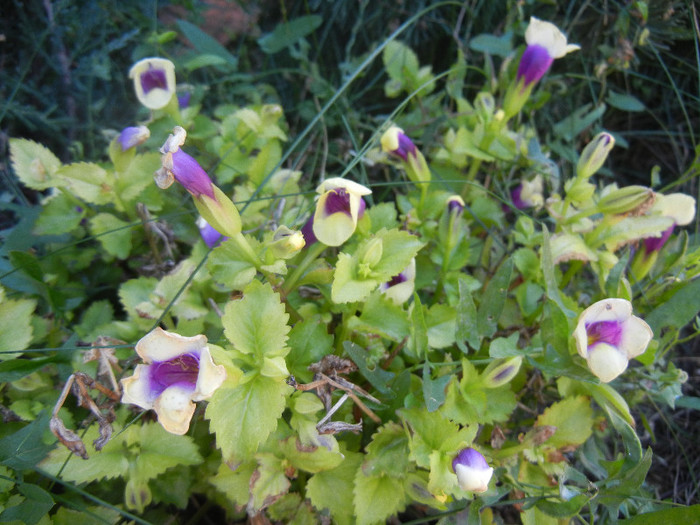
point(308, 232)
point(406, 146)
point(534, 64)
point(518, 202)
point(182, 371)
point(338, 201)
point(210, 236)
point(654, 244)
point(191, 175)
point(131, 136)
point(396, 279)
point(183, 100)
point(153, 79)
point(470, 457)
point(609, 332)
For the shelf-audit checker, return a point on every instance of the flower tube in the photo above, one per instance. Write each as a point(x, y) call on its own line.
point(154, 81)
point(472, 470)
point(337, 211)
point(608, 335)
point(177, 370)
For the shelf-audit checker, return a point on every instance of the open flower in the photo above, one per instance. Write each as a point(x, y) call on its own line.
point(608, 336)
point(528, 194)
point(154, 81)
point(177, 371)
point(400, 288)
point(133, 136)
point(176, 165)
point(679, 207)
point(473, 472)
point(337, 211)
point(545, 42)
point(397, 143)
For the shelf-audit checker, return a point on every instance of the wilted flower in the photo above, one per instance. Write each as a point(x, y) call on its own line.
point(545, 42)
point(133, 136)
point(216, 208)
point(396, 142)
point(177, 370)
point(594, 154)
point(473, 472)
point(608, 336)
point(337, 211)
point(154, 81)
point(528, 194)
point(209, 235)
point(400, 288)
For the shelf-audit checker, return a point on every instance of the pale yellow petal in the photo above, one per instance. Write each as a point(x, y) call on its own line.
point(636, 335)
point(175, 409)
point(606, 362)
point(159, 345)
point(210, 377)
point(136, 389)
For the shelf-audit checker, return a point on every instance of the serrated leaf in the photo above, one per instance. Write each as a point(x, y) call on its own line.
point(573, 418)
point(136, 291)
point(230, 265)
point(244, 416)
point(234, 483)
point(310, 458)
point(289, 33)
point(383, 317)
point(309, 341)
point(387, 453)
point(59, 215)
point(348, 287)
point(34, 164)
point(37, 504)
point(88, 181)
point(113, 233)
point(494, 298)
point(267, 483)
point(377, 498)
point(398, 248)
point(138, 176)
point(330, 489)
point(25, 448)
point(257, 324)
point(160, 450)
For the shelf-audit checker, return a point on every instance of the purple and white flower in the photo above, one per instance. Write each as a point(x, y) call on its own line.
point(545, 42)
point(528, 194)
point(154, 81)
point(395, 142)
point(472, 470)
point(177, 370)
point(338, 209)
point(608, 335)
point(679, 207)
point(400, 288)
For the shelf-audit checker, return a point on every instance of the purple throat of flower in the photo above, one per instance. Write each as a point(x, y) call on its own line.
point(396, 279)
point(153, 79)
point(182, 371)
point(406, 146)
point(338, 201)
point(534, 64)
point(609, 332)
point(654, 244)
point(470, 457)
point(191, 175)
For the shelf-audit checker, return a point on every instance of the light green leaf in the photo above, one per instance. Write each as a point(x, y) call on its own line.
point(257, 324)
point(98, 314)
point(440, 320)
point(387, 453)
point(159, 450)
point(230, 265)
point(88, 181)
point(244, 416)
point(467, 327)
point(289, 33)
point(267, 483)
point(310, 458)
point(309, 341)
point(377, 498)
point(505, 346)
point(59, 215)
point(570, 127)
point(573, 418)
point(138, 176)
point(383, 317)
point(134, 292)
point(491, 307)
point(330, 489)
point(34, 164)
point(624, 102)
point(235, 482)
point(400, 61)
point(348, 286)
point(113, 233)
point(15, 325)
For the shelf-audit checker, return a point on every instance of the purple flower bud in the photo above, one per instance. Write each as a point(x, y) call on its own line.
point(191, 175)
point(534, 63)
point(455, 204)
point(133, 136)
point(472, 470)
point(210, 236)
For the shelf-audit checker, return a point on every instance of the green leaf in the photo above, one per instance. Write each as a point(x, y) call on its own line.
point(505, 346)
point(113, 233)
point(59, 215)
point(383, 317)
point(230, 265)
point(440, 320)
point(573, 418)
point(688, 402)
point(347, 286)
point(18, 368)
point(235, 482)
point(377, 377)
point(257, 324)
point(677, 310)
point(267, 483)
point(418, 343)
point(570, 127)
point(137, 176)
point(330, 489)
point(614, 280)
point(88, 182)
point(624, 102)
point(433, 389)
point(550, 280)
point(491, 307)
point(310, 458)
point(34, 164)
point(467, 327)
point(501, 46)
point(398, 248)
point(244, 416)
point(205, 44)
point(309, 341)
point(25, 448)
point(377, 498)
point(37, 504)
point(400, 61)
point(688, 515)
point(289, 33)
point(387, 453)
point(98, 314)
point(159, 450)
point(15, 325)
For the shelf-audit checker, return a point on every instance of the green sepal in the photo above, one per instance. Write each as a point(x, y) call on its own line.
point(221, 213)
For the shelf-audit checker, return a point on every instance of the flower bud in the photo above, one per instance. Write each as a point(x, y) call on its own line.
point(373, 253)
point(286, 243)
point(455, 204)
point(209, 235)
point(501, 371)
point(472, 470)
point(630, 199)
point(395, 142)
point(594, 154)
point(133, 136)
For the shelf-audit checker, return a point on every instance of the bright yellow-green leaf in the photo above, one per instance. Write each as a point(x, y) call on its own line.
point(573, 418)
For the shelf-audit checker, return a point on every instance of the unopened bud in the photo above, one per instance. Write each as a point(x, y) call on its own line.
point(630, 199)
point(594, 154)
point(286, 243)
point(373, 252)
point(501, 371)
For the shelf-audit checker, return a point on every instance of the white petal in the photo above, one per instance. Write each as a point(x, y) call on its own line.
point(549, 36)
point(636, 334)
point(159, 345)
point(606, 362)
point(679, 206)
point(210, 377)
point(136, 389)
point(352, 187)
point(473, 479)
point(175, 409)
point(607, 310)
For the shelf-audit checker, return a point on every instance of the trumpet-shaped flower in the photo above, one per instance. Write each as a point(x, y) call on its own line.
point(132, 136)
point(337, 211)
point(545, 42)
point(154, 81)
point(397, 143)
point(608, 336)
point(177, 370)
point(528, 194)
point(473, 472)
point(400, 288)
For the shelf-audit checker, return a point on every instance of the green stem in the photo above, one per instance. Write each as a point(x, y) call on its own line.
point(311, 255)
